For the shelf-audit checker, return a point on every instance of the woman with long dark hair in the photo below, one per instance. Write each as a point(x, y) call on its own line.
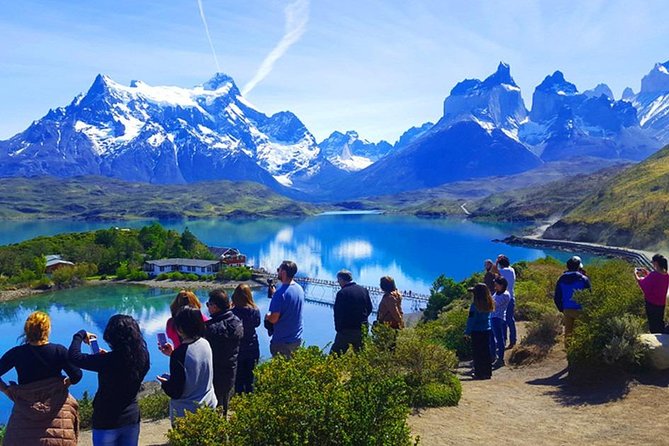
point(249, 350)
point(120, 375)
point(43, 411)
point(479, 329)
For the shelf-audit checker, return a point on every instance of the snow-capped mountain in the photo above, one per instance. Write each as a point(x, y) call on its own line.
point(349, 152)
point(652, 102)
point(164, 135)
point(494, 102)
point(564, 123)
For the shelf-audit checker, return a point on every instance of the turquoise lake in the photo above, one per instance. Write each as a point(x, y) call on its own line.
point(412, 250)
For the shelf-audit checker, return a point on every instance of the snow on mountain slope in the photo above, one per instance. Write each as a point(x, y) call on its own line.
point(164, 134)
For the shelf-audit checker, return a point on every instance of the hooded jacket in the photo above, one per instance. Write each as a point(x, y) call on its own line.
point(568, 283)
point(44, 414)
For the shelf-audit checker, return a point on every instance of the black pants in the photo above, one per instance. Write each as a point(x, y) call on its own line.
point(244, 379)
point(481, 354)
point(655, 315)
point(344, 338)
point(224, 383)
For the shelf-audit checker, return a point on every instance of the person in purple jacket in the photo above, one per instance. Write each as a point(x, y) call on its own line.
point(655, 286)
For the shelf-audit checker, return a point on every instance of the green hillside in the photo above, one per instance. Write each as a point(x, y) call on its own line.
point(543, 201)
point(98, 198)
point(632, 209)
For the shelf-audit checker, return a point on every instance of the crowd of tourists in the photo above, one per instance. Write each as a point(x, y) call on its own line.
point(210, 358)
point(213, 355)
point(491, 318)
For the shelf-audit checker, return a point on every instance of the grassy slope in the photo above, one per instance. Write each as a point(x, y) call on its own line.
point(104, 198)
point(543, 201)
point(632, 209)
point(446, 199)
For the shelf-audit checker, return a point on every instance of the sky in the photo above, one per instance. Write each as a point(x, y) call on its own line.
point(375, 66)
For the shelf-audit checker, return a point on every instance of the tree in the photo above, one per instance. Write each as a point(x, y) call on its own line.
point(444, 290)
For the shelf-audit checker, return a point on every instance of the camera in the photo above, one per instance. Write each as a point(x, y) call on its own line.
point(270, 281)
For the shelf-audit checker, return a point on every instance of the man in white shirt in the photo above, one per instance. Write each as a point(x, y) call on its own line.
point(505, 270)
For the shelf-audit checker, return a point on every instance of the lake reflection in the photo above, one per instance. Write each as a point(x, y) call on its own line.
point(412, 250)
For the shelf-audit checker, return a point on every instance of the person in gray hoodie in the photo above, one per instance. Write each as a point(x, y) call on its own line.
point(190, 383)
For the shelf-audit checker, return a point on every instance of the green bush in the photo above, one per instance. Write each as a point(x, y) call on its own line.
point(437, 394)
point(191, 277)
point(239, 273)
point(540, 338)
point(85, 411)
point(155, 405)
point(176, 275)
point(449, 330)
point(42, 284)
point(162, 276)
point(205, 427)
point(71, 276)
point(138, 274)
point(322, 400)
point(605, 335)
point(444, 290)
point(123, 271)
point(417, 359)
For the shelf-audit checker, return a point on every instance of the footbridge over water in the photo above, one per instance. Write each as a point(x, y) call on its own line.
point(323, 292)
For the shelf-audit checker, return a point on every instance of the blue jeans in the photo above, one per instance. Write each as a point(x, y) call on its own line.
point(121, 436)
point(497, 338)
point(511, 322)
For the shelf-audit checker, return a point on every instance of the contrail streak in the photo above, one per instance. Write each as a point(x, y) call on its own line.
point(206, 30)
point(297, 16)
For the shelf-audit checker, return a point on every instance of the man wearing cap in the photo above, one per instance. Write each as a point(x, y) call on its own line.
point(569, 282)
point(352, 307)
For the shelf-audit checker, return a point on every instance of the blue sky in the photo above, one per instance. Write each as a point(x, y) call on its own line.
point(375, 66)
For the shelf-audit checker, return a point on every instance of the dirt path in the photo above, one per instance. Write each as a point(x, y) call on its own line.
point(535, 405)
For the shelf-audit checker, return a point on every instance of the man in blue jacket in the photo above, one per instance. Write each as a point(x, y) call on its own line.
point(569, 282)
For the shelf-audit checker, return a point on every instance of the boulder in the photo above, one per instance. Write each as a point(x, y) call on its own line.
point(658, 349)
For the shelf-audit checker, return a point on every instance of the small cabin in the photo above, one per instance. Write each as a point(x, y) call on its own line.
point(54, 262)
point(186, 266)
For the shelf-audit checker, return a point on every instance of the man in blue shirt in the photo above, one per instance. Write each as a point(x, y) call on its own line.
point(285, 312)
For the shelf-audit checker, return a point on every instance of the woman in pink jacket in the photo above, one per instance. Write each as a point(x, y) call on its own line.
point(655, 287)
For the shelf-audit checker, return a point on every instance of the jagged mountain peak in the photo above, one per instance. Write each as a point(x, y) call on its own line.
point(628, 94)
point(501, 76)
point(217, 81)
point(600, 90)
point(657, 80)
point(556, 83)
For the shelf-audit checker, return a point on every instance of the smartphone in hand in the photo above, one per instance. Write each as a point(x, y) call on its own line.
point(95, 347)
point(162, 340)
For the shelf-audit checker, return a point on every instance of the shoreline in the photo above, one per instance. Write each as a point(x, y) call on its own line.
point(23, 293)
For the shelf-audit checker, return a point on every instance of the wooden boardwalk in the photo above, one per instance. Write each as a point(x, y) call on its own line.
point(323, 292)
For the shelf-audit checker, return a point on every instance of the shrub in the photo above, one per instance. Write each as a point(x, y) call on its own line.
point(239, 273)
point(321, 399)
point(42, 284)
point(419, 360)
point(71, 276)
point(540, 338)
point(138, 274)
point(122, 271)
point(155, 405)
point(191, 277)
point(444, 290)
point(176, 275)
point(449, 330)
point(612, 316)
point(438, 394)
point(162, 276)
point(205, 427)
point(85, 411)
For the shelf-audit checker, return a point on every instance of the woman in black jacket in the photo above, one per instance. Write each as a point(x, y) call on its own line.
point(120, 374)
